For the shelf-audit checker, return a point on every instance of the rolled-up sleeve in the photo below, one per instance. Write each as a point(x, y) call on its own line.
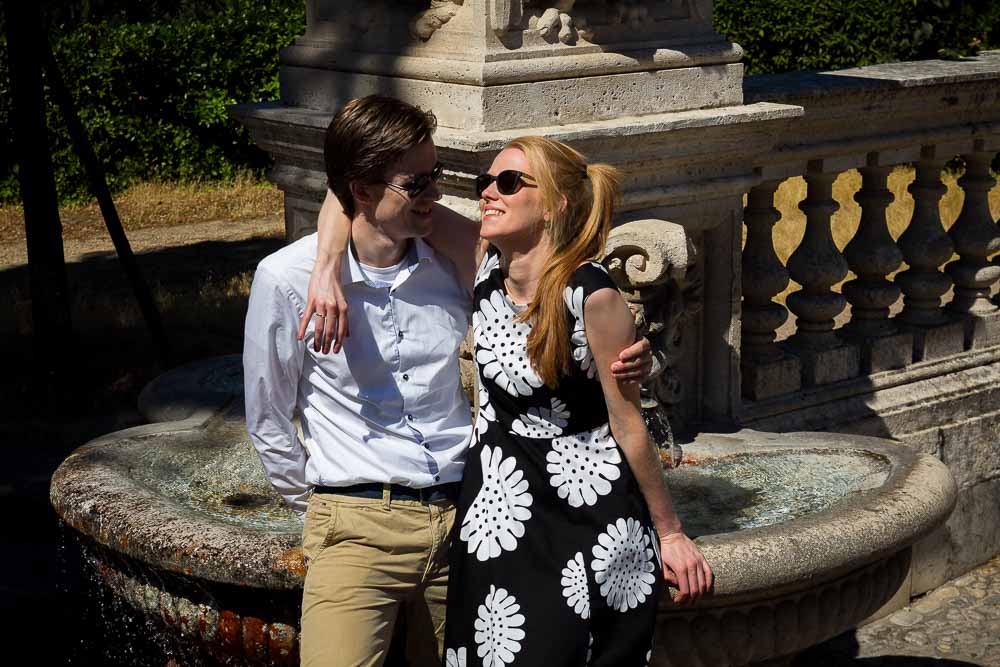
point(272, 364)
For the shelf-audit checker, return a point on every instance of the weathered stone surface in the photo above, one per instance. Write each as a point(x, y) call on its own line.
point(969, 538)
point(883, 353)
point(971, 449)
point(770, 378)
point(982, 331)
point(834, 364)
point(898, 600)
point(935, 342)
point(514, 105)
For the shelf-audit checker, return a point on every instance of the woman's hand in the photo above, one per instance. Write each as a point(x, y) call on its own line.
point(685, 567)
point(325, 299)
point(634, 363)
point(326, 303)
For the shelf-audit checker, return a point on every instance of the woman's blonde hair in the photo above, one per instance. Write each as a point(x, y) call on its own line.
point(579, 199)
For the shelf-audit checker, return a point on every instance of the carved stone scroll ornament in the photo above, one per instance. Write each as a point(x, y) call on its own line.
point(653, 263)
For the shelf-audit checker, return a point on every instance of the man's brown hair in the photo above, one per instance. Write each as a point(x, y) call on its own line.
point(367, 136)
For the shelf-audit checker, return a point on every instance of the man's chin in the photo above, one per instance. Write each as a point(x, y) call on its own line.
point(421, 225)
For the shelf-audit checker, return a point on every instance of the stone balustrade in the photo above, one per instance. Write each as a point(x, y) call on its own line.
point(942, 303)
point(909, 345)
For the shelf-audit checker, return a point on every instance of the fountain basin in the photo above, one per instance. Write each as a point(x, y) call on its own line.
point(191, 533)
point(788, 585)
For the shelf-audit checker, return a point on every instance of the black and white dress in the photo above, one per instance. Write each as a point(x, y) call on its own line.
point(554, 559)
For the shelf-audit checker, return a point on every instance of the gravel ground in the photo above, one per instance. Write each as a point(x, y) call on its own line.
point(956, 624)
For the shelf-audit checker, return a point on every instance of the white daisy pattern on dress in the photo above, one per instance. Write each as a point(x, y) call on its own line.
point(582, 466)
point(498, 628)
point(490, 262)
point(502, 352)
point(495, 520)
point(455, 657)
point(623, 564)
point(574, 583)
point(486, 415)
point(542, 422)
point(574, 299)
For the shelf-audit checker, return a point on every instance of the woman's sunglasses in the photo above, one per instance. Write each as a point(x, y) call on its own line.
point(414, 187)
point(508, 182)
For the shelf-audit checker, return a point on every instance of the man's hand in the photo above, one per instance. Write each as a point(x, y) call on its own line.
point(634, 362)
point(326, 303)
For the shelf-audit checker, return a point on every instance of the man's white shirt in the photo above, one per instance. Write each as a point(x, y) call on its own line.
point(389, 408)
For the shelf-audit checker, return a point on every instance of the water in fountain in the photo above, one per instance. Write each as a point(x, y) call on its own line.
point(754, 490)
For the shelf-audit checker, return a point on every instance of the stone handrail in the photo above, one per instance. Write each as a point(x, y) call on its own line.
point(872, 119)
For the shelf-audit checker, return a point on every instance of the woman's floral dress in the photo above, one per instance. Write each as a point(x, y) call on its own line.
point(554, 560)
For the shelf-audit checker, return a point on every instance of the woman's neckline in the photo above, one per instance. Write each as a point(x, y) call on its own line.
point(518, 307)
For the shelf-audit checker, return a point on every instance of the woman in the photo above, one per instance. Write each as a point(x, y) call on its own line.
point(564, 515)
point(564, 520)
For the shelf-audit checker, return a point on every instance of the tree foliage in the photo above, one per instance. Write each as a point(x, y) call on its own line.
point(792, 35)
point(152, 79)
point(153, 93)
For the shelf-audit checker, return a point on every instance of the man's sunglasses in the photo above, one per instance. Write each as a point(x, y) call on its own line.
point(508, 182)
point(414, 187)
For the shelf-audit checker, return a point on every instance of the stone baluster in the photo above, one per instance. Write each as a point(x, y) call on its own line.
point(766, 369)
point(818, 265)
point(764, 276)
point(871, 255)
point(926, 246)
point(976, 238)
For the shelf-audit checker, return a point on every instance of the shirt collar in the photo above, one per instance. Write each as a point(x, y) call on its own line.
point(418, 253)
point(425, 253)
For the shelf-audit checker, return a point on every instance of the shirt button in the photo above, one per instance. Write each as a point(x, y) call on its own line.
point(437, 478)
point(409, 417)
point(405, 376)
point(400, 335)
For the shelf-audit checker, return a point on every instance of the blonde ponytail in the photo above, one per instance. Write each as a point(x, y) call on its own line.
point(579, 200)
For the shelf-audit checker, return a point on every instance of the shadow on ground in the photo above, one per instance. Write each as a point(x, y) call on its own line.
point(99, 369)
point(842, 651)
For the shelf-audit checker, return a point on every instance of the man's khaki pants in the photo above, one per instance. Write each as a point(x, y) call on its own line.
point(367, 557)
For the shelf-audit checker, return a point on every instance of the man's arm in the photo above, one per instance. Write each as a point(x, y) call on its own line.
point(272, 364)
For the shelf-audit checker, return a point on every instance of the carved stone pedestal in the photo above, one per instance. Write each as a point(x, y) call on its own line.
point(827, 365)
point(982, 331)
point(488, 65)
point(767, 378)
point(883, 353)
point(936, 341)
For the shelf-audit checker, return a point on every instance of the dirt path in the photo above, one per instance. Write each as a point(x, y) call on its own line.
point(152, 238)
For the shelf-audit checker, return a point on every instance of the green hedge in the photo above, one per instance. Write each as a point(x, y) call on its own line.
point(153, 78)
point(153, 95)
point(792, 35)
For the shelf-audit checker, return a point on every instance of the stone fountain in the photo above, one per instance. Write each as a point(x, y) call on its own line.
point(808, 534)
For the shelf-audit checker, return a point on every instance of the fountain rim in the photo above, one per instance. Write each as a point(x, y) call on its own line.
point(918, 495)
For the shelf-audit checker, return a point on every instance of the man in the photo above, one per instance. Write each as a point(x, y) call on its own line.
point(385, 425)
